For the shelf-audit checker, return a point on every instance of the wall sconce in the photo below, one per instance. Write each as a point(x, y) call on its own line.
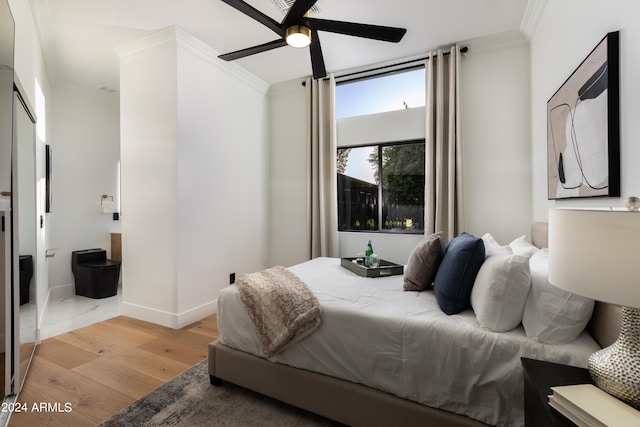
point(107, 204)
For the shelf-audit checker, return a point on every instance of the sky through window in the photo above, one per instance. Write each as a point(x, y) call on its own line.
point(381, 94)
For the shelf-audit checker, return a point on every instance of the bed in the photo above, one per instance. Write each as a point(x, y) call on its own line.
point(472, 377)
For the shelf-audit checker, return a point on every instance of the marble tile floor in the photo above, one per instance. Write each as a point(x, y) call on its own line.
point(70, 312)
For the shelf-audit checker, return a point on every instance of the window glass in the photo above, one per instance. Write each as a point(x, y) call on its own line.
point(403, 187)
point(393, 200)
point(391, 92)
point(358, 188)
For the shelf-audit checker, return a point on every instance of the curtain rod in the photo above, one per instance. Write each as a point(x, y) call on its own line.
point(463, 49)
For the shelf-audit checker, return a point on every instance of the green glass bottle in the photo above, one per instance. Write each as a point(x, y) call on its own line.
point(368, 253)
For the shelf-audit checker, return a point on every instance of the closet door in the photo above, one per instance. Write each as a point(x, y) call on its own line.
point(24, 238)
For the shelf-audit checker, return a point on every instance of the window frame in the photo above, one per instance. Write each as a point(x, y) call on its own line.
point(380, 208)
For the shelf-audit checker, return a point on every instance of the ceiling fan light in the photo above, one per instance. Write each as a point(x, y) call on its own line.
point(298, 36)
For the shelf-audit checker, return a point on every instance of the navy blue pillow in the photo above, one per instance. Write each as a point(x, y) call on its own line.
point(457, 272)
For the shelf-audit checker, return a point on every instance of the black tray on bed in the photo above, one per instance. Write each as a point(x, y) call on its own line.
point(384, 269)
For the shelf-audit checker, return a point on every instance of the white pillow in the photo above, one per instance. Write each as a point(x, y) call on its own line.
point(500, 292)
point(552, 315)
point(491, 247)
point(521, 246)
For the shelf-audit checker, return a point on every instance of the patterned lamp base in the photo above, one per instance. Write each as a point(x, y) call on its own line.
point(616, 369)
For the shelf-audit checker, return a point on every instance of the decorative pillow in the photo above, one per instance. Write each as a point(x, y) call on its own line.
point(552, 315)
point(500, 292)
point(424, 262)
point(521, 246)
point(491, 247)
point(463, 258)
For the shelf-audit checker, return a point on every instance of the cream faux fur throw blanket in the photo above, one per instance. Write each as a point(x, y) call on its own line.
point(281, 306)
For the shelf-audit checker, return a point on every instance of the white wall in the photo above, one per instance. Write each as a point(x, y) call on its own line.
point(288, 185)
point(400, 125)
point(223, 188)
point(148, 149)
point(194, 177)
point(567, 32)
point(85, 143)
point(496, 132)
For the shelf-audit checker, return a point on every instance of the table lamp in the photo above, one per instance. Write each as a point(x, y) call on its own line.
point(595, 253)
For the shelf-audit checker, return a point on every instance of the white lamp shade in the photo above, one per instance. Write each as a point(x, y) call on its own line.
point(596, 253)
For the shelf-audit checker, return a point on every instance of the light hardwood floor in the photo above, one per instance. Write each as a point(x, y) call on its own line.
point(82, 377)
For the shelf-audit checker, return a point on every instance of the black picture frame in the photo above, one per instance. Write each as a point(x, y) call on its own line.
point(48, 174)
point(583, 128)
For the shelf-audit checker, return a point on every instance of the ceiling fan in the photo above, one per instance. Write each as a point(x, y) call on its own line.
point(297, 29)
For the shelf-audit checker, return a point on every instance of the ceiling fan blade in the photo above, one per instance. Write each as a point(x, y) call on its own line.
point(376, 32)
point(297, 11)
point(317, 59)
point(254, 13)
point(253, 50)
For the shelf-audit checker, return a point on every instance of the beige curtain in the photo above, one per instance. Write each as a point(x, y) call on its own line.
point(322, 218)
point(444, 196)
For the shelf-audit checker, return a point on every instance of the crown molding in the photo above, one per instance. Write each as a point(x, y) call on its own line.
point(158, 40)
point(200, 49)
point(495, 42)
point(532, 15)
point(44, 29)
point(176, 37)
point(286, 88)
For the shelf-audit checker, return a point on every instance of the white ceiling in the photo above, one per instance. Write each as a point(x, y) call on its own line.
point(79, 36)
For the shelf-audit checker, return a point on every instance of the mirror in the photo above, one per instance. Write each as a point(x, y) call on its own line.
point(27, 229)
point(6, 137)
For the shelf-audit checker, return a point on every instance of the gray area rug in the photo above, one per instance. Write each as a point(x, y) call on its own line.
point(190, 400)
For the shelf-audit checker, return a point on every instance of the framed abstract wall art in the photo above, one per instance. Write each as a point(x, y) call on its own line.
point(583, 131)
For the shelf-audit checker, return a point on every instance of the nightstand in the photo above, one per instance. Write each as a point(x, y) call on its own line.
point(539, 377)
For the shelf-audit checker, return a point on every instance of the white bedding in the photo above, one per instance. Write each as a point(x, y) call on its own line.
point(376, 334)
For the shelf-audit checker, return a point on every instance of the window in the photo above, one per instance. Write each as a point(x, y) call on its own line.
point(390, 92)
point(381, 187)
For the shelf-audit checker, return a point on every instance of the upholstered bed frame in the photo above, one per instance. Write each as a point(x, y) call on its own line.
point(355, 404)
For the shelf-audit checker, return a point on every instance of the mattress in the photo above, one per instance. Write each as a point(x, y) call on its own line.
point(378, 335)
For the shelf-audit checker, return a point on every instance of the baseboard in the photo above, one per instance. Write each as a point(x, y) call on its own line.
point(197, 313)
point(42, 315)
point(164, 318)
point(63, 291)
